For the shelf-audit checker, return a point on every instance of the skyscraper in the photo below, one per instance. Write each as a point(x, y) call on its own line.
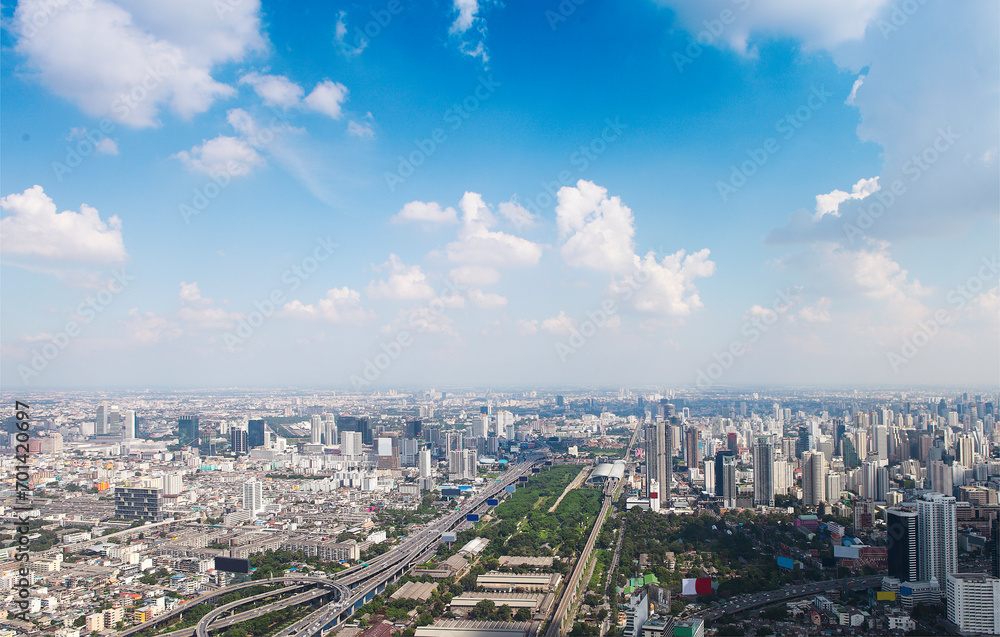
point(329, 430)
point(255, 433)
point(937, 527)
point(996, 548)
point(691, 455)
point(253, 496)
point(350, 443)
point(813, 478)
point(238, 440)
point(316, 430)
point(101, 420)
point(730, 490)
point(187, 430)
point(425, 463)
point(656, 460)
point(720, 457)
point(763, 471)
point(901, 539)
point(128, 429)
point(114, 426)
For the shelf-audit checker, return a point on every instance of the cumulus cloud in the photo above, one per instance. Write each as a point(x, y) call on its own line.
point(597, 233)
point(223, 155)
point(560, 325)
point(274, 90)
point(829, 204)
point(340, 305)
point(33, 227)
point(363, 129)
point(202, 313)
point(327, 98)
point(486, 300)
point(474, 275)
point(429, 212)
point(405, 283)
point(129, 59)
point(104, 145)
point(527, 327)
point(517, 214)
point(477, 244)
point(818, 312)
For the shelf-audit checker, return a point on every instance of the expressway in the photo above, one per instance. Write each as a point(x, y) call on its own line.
point(359, 584)
point(738, 605)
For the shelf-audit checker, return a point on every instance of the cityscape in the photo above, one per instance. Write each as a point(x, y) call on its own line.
point(482, 318)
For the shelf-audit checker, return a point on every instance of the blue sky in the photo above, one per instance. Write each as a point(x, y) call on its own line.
point(754, 192)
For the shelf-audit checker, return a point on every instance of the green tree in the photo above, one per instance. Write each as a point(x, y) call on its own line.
point(484, 609)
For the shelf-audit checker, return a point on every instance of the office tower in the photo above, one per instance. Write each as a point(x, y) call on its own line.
point(480, 427)
point(942, 477)
point(560, 401)
point(255, 433)
point(874, 480)
point(834, 485)
point(813, 478)
point(139, 503)
point(710, 477)
point(510, 432)
point(730, 490)
point(238, 440)
point(996, 548)
point(329, 430)
point(350, 443)
point(656, 460)
point(901, 540)
point(101, 420)
point(763, 471)
point(114, 426)
point(788, 447)
point(825, 445)
point(414, 428)
point(361, 424)
point(128, 429)
point(720, 456)
point(675, 440)
point(882, 442)
point(187, 431)
point(849, 452)
point(974, 603)
point(316, 430)
point(964, 451)
point(691, 455)
point(253, 496)
point(937, 527)
point(425, 463)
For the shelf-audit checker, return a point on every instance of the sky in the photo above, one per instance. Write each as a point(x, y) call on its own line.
point(383, 194)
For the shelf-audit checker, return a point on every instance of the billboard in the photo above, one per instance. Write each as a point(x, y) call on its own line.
point(448, 537)
point(548, 463)
point(699, 586)
point(846, 552)
point(523, 478)
point(786, 562)
point(472, 517)
point(536, 470)
point(232, 565)
point(885, 596)
point(450, 492)
point(492, 502)
point(511, 489)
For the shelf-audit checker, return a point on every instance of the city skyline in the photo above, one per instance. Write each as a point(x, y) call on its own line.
point(383, 195)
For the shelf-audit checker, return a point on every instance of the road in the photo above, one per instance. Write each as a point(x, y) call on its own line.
point(740, 604)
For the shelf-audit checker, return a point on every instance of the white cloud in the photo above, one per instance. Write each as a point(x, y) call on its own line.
point(479, 245)
point(340, 305)
point(405, 283)
point(360, 41)
point(818, 23)
point(327, 98)
point(517, 214)
point(829, 204)
point(486, 300)
point(224, 154)
point(149, 327)
point(190, 293)
point(274, 90)
point(560, 325)
point(817, 313)
point(103, 146)
point(470, 28)
point(474, 275)
point(107, 146)
point(202, 313)
point(527, 327)
point(597, 233)
point(33, 227)
point(854, 90)
point(429, 212)
point(364, 129)
point(129, 59)
point(467, 10)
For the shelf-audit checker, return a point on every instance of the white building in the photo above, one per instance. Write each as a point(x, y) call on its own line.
point(253, 496)
point(937, 530)
point(425, 463)
point(974, 603)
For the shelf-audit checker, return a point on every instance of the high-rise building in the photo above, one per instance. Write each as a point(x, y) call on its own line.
point(425, 463)
point(813, 478)
point(114, 427)
point(763, 471)
point(462, 464)
point(187, 431)
point(361, 424)
point(329, 430)
point(720, 456)
point(128, 429)
point(691, 455)
point(942, 477)
point(101, 420)
point(710, 477)
point(964, 446)
point(730, 489)
point(350, 443)
point(414, 428)
point(238, 438)
point(974, 603)
point(874, 480)
point(253, 496)
point(937, 527)
point(139, 503)
point(656, 460)
point(255, 433)
point(996, 548)
point(901, 541)
point(316, 429)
